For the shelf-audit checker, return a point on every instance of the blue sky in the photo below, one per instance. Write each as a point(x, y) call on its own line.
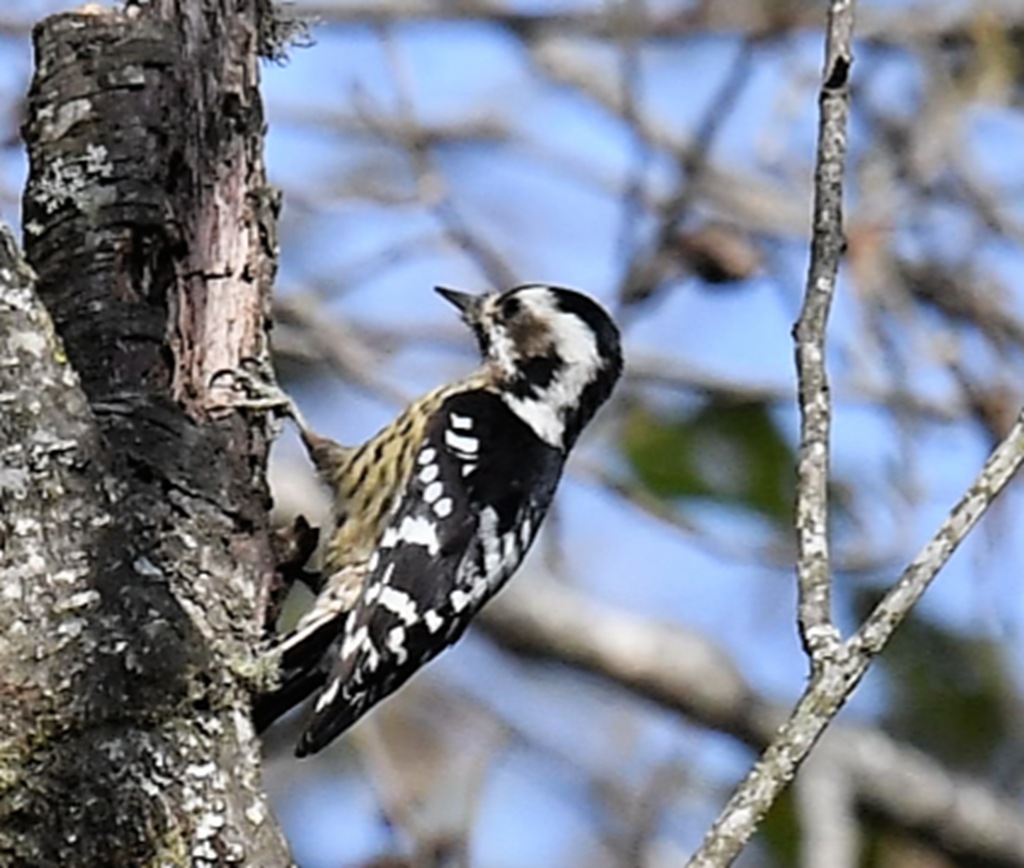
point(561, 227)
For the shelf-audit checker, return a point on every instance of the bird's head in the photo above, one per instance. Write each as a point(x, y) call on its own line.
point(553, 354)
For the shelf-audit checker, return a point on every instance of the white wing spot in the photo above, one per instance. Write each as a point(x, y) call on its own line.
point(372, 658)
point(429, 473)
point(508, 545)
point(524, 533)
point(463, 422)
point(467, 469)
point(433, 621)
point(400, 603)
point(480, 590)
point(420, 531)
point(490, 541)
point(390, 538)
point(396, 643)
point(377, 588)
point(427, 455)
point(443, 508)
point(354, 641)
point(459, 599)
point(327, 697)
point(460, 443)
point(433, 491)
point(374, 561)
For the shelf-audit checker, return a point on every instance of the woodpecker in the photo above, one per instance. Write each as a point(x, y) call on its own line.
point(433, 514)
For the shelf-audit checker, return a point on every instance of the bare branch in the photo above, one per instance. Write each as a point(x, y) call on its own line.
point(835, 681)
point(682, 670)
point(894, 607)
point(433, 186)
point(899, 25)
point(646, 271)
point(814, 616)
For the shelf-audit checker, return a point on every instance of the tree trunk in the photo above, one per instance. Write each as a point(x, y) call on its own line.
point(133, 517)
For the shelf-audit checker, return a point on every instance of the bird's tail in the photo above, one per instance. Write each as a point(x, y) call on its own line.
point(302, 656)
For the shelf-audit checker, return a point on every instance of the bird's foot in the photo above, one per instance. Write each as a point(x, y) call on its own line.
point(252, 386)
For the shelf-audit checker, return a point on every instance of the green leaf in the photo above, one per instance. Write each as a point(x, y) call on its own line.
point(952, 695)
point(728, 452)
point(780, 832)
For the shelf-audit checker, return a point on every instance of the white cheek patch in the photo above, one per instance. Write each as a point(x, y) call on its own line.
point(502, 350)
point(462, 422)
point(576, 344)
point(544, 419)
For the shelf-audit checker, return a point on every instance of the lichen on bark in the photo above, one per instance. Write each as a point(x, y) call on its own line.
point(133, 521)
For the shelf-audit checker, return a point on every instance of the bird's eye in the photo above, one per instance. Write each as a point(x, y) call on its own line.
point(510, 307)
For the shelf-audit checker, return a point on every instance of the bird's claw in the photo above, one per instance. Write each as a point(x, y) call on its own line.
point(251, 386)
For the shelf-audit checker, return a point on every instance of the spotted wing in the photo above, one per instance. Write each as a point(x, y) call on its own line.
point(481, 484)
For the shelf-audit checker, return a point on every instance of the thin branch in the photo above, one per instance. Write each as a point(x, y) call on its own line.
point(750, 198)
point(835, 682)
point(828, 690)
point(631, 77)
point(681, 670)
point(884, 25)
point(305, 333)
point(817, 631)
point(836, 668)
point(433, 187)
point(894, 607)
point(645, 273)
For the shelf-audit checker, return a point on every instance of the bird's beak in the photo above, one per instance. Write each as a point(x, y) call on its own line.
point(468, 304)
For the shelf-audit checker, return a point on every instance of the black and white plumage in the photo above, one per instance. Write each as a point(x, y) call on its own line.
point(436, 512)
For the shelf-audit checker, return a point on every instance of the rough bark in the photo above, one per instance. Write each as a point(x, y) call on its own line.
point(133, 519)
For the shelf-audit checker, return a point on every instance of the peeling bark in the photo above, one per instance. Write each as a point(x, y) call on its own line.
point(133, 520)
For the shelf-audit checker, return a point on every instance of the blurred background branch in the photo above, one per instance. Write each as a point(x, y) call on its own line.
point(660, 155)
